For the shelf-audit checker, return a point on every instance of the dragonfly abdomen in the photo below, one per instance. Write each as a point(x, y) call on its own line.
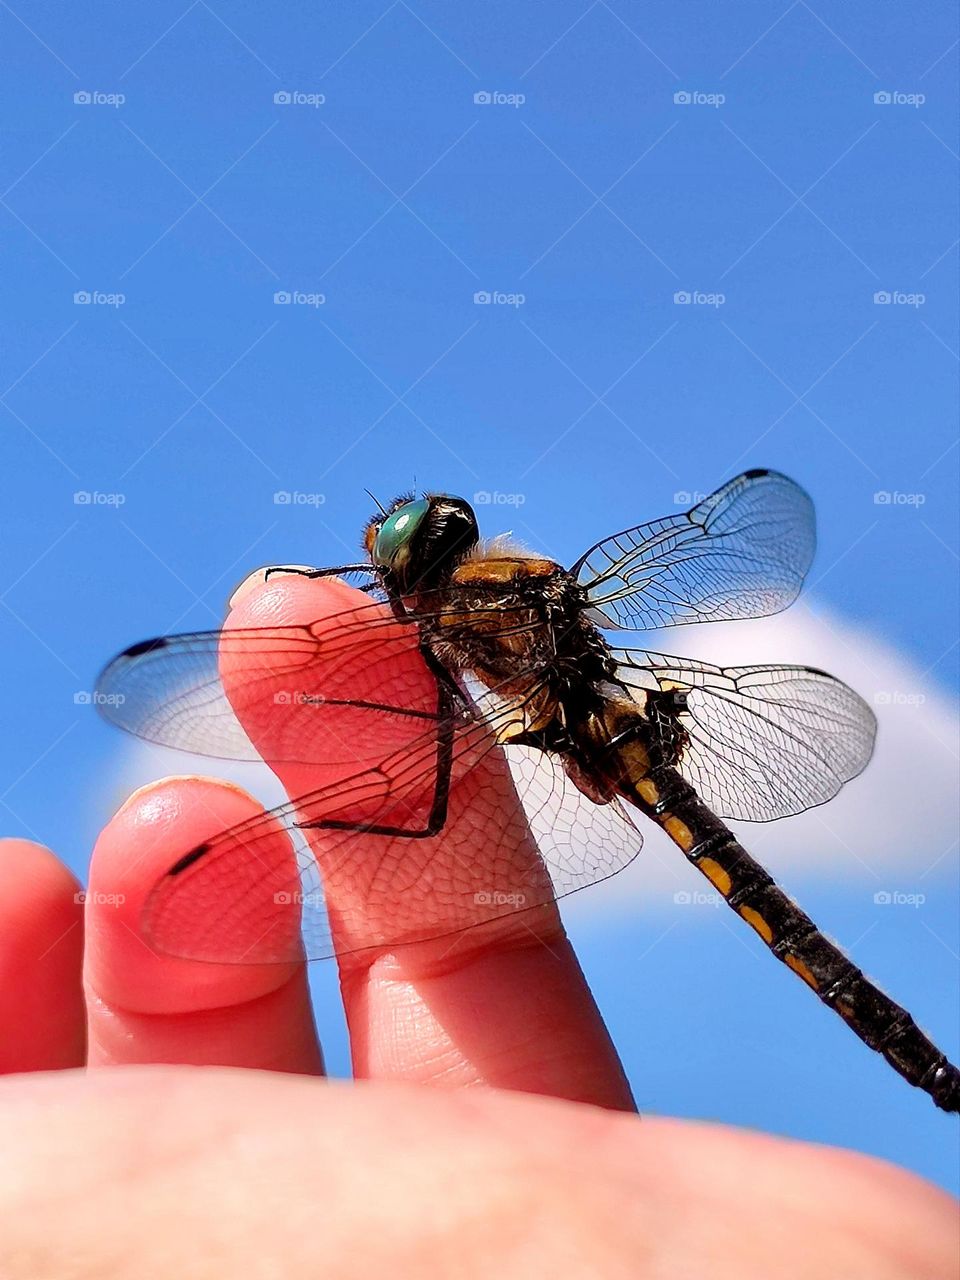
point(883, 1025)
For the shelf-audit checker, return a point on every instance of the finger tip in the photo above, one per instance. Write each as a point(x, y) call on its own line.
point(290, 598)
point(41, 948)
point(303, 659)
point(39, 892)
point(157, 824)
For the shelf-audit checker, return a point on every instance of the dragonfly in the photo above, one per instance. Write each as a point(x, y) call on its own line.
point(474, 683)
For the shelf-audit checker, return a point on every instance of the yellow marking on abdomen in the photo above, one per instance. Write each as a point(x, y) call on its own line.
point(718, 877)
point(756, 921)
point(678, 830)
point(799, 968)
point(647, 791)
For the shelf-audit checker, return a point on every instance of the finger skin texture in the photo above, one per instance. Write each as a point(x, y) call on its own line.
point(42, 1022)
point(211, 1173)
point(150, 1007)
point(502, 1004)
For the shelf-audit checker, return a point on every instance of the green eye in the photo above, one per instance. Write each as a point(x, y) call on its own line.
point(396, 532)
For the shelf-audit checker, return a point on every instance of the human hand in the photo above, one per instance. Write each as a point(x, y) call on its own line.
point(197, 1172)
point(177, 1172)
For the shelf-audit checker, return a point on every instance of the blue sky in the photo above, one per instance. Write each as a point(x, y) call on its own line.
point(629, 157)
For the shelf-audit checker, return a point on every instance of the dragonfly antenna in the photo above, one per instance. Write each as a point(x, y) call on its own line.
point(377, 501)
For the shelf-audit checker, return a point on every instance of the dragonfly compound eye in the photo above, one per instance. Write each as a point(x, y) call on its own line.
point(391, 547)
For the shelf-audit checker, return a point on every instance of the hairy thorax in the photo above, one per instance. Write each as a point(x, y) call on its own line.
point(516, 624)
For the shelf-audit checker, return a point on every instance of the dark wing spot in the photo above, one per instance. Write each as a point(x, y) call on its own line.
point(188, 859)
point(755, 472)
point(145, 646)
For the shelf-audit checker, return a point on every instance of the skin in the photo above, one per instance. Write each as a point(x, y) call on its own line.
point(490, 1129)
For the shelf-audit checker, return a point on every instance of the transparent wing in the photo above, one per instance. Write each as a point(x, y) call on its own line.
point(285, 681)
point(281, 888)
point(171, 690)
point(763, 741)
point(741, 553)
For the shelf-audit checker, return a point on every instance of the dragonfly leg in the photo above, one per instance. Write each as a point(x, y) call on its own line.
point(437, 817)
point(316, 573)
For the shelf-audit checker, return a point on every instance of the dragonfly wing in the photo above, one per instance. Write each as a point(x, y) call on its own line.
point(765, 741)
point(168, 690)
point(743, 552)
point(580, 842)
point(281, 888)
point(308, 689)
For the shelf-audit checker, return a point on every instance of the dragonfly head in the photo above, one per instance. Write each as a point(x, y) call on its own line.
point(418, 542)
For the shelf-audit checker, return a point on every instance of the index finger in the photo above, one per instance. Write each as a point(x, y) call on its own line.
point(504, 1003)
